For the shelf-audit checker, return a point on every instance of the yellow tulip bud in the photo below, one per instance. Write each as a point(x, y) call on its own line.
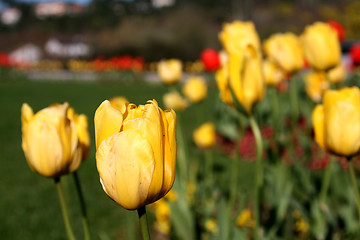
point(316, 84)
point(321, 46)
point(237, 36)
point(272, 73)
point(211, 226)
point(337, 122)
point(195, 89)
point(245, 219)
point(170, 71)
point(118, 102)
point(337, 74)
point(136, 152)
point(173, 100)
point(50, 140)
point(285, 50)
point(205, 136)
point(246, 81)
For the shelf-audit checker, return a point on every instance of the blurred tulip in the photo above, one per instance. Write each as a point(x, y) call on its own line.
point(321, 46)
point(210, 59)
point(136, 152)
point(173, 100)
point(81, 125)
point(50, 140)
point(222, 79)
point(285, 50)
point(340, 30)
point(195, 89)
point(211, 226)
point(272, 73)
point(170, 71)
point(245, 219)
point(205, 136)
point(118, 102)
point(337, 74)
point(242, 44)
point(237, 36)
point(315, 85)
point(337, 122)
point(355, 54)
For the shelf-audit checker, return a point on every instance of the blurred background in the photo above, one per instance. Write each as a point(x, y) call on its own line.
point(152, 29)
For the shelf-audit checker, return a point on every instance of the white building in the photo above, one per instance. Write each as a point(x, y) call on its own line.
point(10, 16)
point(28, 53)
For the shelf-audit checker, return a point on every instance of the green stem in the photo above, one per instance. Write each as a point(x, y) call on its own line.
point(64, 209)
point(83, 206)
point(326, 181)
point(355, 186)
point(258, 173)
point(294, 101)
point(275, 108)
point(208, 172)
point(143, 223)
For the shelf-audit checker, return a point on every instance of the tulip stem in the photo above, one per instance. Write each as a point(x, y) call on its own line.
point(258, 173)
point(355, 186)
point(64, 209)
point(294, 101)
point(326, 181)
point(143, 223)
point(83, 206)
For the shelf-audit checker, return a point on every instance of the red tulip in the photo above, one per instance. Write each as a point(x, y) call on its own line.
point(355, 54)
point(210, 59)
point(338, 28)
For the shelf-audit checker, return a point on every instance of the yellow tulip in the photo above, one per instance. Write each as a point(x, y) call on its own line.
point(222, 79)
point(272, 73)
point(285, 50)
point(170, 71)
point(315, 85)
point(205, 136)
point(136, 152)
point(173, 100)
point(81, 126)
point(242, 44)
point(50, 140)
point(245, 219)
point(118, 102)
point(337, 122)
point(195, 89)
point(237, 36)
point(321, 46)
point(337, 74)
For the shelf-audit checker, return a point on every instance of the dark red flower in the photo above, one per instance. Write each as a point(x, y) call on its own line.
point(338, 28)
point(210, 59)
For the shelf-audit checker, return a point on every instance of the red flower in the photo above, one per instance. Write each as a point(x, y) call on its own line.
point(338, 28)
point(210, 59)
point(355, 54)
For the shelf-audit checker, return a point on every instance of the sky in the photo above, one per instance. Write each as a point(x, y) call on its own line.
point(2, 5)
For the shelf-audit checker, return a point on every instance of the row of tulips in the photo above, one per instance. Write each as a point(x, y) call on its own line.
point(140, 148)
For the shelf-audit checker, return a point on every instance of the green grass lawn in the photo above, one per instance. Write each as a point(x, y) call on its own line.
point(29, 206)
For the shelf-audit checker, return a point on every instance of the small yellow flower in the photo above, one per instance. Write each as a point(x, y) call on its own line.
point(245, 219)
point(171, 196)
point(205, 135)
point(170, 71)
point(211, 226)
point(173, 100)
point(315, 85)
point(195, 89)
point(272, 73)
point(337, 74)
point(163, 227)
point(285, 50)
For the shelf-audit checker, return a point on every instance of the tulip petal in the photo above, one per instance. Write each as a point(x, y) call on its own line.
point(126, 163)
point(150, 126)
point(44, 160)
point(108, 121)
point(169, 120)
point(318, 123)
